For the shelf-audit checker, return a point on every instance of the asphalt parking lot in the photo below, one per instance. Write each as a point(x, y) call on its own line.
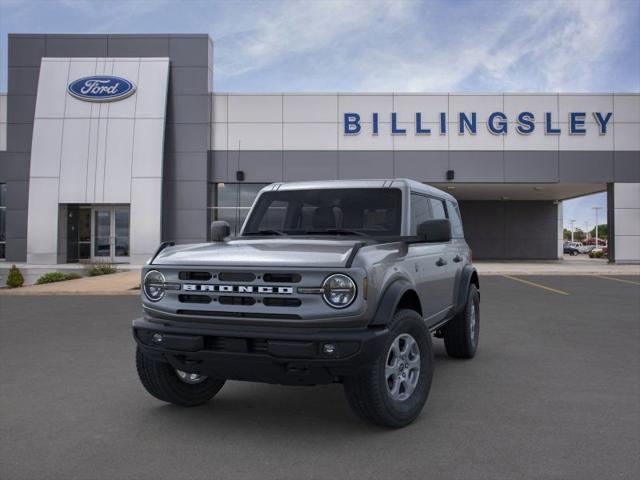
point(554, 392)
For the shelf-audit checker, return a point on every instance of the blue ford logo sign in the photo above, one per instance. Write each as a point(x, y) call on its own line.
point(101, 88)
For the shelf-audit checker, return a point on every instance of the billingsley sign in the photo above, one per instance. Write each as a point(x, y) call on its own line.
point(497, 123)
point(101, 88)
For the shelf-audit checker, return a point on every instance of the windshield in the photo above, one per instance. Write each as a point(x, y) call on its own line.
point(341, 211)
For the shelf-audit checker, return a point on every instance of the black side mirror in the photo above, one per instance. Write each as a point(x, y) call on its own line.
point(434, 231)
point(219, 230)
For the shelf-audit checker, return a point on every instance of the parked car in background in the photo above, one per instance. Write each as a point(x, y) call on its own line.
point(572, 248)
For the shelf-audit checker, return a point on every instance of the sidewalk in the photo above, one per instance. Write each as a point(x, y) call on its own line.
point(121, 283)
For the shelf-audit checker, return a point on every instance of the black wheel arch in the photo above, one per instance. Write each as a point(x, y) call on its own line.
point(398, 295)
point(468, 277)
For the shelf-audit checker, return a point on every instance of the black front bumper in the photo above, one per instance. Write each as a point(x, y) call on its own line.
point(285, 356)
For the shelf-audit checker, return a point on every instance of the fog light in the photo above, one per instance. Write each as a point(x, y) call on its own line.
point(329, 348)
point(157, 338)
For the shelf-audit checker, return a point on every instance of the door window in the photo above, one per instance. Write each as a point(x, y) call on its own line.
point(437, 209)
point(420, 211)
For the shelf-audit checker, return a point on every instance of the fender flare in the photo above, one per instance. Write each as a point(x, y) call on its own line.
point(469, 275)
point(389, 301)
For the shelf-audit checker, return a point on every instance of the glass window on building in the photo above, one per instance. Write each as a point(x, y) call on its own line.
point(3, 216)
point(231, 202)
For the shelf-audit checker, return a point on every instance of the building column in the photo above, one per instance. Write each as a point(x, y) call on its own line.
point(624, 222)
point(560, 236)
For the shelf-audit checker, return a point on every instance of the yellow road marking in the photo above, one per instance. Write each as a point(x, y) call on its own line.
point(534, 284)
point(618, 280)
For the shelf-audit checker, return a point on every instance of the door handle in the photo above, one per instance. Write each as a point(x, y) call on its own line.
point(441, 262)
point(457, 259)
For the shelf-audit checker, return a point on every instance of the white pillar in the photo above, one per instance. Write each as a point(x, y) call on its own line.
point(626, 222)
point(560, 236)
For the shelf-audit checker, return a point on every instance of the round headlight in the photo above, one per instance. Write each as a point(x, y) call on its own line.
point(153, 285)
point(339, 290)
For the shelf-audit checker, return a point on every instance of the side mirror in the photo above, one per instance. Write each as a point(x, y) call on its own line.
point(434, 231)
point(219, 230)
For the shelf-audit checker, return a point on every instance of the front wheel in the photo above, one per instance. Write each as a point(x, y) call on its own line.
point(462, 332)
point(394, 388)
point(175, 386)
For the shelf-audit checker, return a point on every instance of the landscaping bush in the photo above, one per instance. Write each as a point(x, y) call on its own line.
point(52, 277)
point(15, 278)
point(100, 269)
point(596, 254)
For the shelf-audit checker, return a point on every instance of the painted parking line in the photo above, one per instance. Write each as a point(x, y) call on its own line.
point(534, 284)
point(618, 279)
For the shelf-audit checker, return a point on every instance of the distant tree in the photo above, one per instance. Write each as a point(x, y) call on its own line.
point(566, 234)
point(578, 235)
point(603, 231)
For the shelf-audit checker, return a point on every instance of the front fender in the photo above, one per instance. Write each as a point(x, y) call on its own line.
point(389, 301)
point(469, 275)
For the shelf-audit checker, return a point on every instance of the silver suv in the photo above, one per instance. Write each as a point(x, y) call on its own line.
point(333, 281)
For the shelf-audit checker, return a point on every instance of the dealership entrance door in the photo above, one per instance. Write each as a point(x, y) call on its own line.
point(98, 233)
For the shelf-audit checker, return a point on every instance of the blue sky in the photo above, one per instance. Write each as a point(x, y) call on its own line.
point(370, 45)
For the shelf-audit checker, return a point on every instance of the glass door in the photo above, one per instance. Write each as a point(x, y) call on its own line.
point(111, 234)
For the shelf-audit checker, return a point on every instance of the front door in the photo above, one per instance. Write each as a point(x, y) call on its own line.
point(110, 229)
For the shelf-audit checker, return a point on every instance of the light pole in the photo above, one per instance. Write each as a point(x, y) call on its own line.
point(572, 228)
point(596, 209)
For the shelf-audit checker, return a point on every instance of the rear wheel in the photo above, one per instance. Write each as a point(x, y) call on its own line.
point(462, 332)
point(394, 388)
point(175, 386)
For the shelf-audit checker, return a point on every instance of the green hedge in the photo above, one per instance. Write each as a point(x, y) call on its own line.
point(100, 269)
point(52, 277)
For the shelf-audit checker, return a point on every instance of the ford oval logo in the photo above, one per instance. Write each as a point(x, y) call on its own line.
point(101, 88)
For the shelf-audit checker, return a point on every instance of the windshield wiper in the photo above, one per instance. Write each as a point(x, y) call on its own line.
point(337, 231)
point(266, 232)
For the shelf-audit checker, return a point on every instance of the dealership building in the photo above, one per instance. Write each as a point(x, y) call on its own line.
point(110, 144)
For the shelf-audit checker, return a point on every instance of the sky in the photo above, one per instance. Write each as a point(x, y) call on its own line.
point(378, 45)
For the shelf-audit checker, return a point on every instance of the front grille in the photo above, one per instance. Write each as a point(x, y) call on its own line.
point(237, 345)
point(282, 302)
point(194, 298)
point(282, 277)
point(195, 276)
point(236, 300)
point(236, 277)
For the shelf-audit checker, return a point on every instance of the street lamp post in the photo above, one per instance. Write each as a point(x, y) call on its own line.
point(596, 209)
point(572, 228)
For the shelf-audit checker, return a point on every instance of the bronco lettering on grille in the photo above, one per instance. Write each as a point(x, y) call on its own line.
point(192, 287)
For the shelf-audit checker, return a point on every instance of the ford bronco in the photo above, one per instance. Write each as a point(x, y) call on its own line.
point(332, 281)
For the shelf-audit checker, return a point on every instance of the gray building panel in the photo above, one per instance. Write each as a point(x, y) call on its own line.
point(187, 137)
point(188, 109)
point(429, 166)
point(188, 80)
point(365, 164)
point(310, 165)
point(477, 166)
point(626, 166)
point(186, 195)
point(26, 50)
point(258, 165)
point(22, 108)
point(185, 166)
point(15, 167)
point(529, 166)
point(16, 223)
point(138, 46)
point(76, 46)
point(23, 80)
point(189, 51)
point(586, 166)
point(218, 166)
point(19, 139)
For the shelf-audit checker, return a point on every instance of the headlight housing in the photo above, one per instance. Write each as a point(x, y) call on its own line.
point(154, 285)
point(339, 290)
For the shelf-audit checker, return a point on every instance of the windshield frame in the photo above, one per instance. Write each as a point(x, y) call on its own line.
point(340, 236)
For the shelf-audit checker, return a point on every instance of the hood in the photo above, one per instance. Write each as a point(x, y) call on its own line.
point(272, 252)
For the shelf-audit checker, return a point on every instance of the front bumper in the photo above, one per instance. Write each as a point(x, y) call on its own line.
point(283, 356)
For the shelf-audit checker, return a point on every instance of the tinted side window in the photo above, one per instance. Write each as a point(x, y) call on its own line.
point(456, 220)
point(420, 211)
point(437, 207)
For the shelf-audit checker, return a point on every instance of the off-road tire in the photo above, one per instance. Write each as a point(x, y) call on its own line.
point(161, 380)
point(367, 392)
point(458, 339)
